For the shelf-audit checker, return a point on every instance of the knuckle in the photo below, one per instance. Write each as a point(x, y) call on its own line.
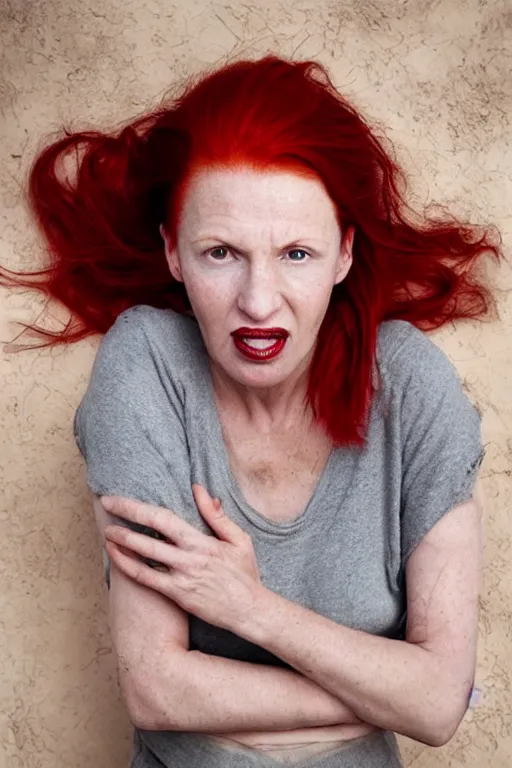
point(124, 536)
point(187, 566)
point(138, 572)
point(128, 504)
point(152, 552)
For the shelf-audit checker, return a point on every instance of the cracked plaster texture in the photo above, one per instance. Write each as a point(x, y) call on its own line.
point(437, 74)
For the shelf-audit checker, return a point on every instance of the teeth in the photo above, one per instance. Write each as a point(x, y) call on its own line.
point(260, 343)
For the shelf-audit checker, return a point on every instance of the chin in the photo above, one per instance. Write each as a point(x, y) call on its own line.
point(259, 378)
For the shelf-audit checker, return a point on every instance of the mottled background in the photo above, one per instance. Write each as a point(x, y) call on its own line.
point(436, 75)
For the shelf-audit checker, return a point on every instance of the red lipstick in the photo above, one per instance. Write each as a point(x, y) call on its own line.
point(275, 336)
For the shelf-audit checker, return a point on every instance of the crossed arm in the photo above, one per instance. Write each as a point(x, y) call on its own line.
point(166, 686)
point(418, 687)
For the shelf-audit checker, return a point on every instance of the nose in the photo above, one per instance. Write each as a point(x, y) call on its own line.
point(259, 296)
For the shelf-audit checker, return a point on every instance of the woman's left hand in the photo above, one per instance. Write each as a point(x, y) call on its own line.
point(215, 579)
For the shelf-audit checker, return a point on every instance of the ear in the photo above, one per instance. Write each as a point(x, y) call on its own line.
point(171, 254)
point(345, 255)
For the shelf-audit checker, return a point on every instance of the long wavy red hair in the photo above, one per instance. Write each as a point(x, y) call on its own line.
point(102, 227)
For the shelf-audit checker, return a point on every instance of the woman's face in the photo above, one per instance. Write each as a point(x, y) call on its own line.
point(258, 250)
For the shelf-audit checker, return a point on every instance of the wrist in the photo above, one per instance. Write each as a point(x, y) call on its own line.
point(258, 623)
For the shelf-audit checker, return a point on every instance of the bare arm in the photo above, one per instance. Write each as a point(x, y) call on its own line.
point(419, 687)
point(198, 692)
point(168, 687)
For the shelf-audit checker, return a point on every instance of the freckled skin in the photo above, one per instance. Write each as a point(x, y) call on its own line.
point(263, 250)
point(264, 474)
point(279, 251)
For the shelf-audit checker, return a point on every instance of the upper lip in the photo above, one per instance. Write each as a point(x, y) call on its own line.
point(261, 333)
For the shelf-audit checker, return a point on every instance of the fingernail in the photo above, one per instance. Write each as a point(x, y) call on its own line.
point(108, 502)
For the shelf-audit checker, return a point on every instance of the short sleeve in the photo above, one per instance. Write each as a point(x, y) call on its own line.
point(440, 437)
point(129, 426)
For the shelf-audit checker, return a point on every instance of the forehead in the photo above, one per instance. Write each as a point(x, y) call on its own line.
point(245, 197)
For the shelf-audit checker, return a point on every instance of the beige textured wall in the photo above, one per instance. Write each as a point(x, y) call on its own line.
point(437, 73)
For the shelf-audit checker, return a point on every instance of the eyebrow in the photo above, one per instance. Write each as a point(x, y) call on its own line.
point(207, 238)
point(295, 243)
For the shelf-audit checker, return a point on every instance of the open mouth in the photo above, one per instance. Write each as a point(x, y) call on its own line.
point(265, 343)
point(260, 345)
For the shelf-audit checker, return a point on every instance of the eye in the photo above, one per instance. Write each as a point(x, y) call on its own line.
point(299, 250)
point(214, 253)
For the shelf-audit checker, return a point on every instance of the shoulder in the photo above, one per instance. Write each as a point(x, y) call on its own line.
point(143, 331)
point(421, 384)
point(138, 376)
point(152, 323)
point(406, 355)
point(436, 429)
point(146, 349)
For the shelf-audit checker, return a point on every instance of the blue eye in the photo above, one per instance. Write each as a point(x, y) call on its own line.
point(298, 250)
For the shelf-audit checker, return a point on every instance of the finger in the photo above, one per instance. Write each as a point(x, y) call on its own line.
point(139, 572)
point(159, 518)
point(133, 555)
point(145, 546)
point(224, 527)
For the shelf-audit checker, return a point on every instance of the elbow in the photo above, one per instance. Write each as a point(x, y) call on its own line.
point(444, 732)
point(443, 723)
point(153, 696)
point(138, 715)
point(136, 703)
point(146, 716)
point(441, 735)
point(141, 701)
point(144, 720)
point(438, 737)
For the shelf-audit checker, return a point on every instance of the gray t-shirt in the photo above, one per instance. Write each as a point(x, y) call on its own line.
point(148, 428)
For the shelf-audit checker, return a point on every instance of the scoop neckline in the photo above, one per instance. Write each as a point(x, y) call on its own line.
point(260, 521)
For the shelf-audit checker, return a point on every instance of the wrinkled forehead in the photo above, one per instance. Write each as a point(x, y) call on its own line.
point(247, 198)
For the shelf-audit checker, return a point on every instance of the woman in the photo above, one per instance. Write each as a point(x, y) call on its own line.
point(265, 405)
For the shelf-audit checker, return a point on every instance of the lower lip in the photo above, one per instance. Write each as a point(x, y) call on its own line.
point(259, 355)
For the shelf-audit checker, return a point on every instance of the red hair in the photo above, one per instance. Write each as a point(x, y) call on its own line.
point(107, 253)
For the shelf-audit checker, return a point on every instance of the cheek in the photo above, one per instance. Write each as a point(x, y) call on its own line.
point(312, 292)
point(312, 301)
point(211, 298)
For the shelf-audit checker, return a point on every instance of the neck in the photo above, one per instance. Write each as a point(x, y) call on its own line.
point(267, 409)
